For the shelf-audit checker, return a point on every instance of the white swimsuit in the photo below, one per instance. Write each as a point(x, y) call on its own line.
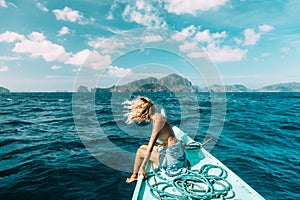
point(173, 159)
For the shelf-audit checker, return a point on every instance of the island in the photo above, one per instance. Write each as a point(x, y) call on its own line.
point(82, 88)
point(227, 88)
point(281, 87)
point(4, 90)
point(170, 83)
point(176, 83)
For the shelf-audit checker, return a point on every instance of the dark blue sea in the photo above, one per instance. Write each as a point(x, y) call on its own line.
point(55, 147)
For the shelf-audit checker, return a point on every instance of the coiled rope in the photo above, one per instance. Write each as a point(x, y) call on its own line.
point(193, 185)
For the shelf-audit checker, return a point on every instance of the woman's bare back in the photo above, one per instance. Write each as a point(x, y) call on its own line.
point(166, 134)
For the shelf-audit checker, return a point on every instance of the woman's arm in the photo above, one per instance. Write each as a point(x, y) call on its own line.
point(158, 124)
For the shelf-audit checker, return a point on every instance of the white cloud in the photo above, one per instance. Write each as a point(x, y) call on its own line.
point(262, 57)
point(204, 44)
point(251, 37)
point(266, 28)
point(188, 46)
point(191, 6)
point(140, 4)
point(226, 53)
point(256, 59)
point(3, 68)
point(189, 31)
point(10, 37)
point(38, 46)
point(198, 54)
point(238, 40)
point(63, 31)
point(98, 61)
point(3, 4)
point(109, 16)
point(178, 37)
point(104, 45)
point(206, 36)
point(68, 14)
point(266, 54)
point(220, 54)
point(79, 58)
point(95, 42)
point(152, 38)
point(221, 35)
point(203, 36)
point(143, 13)
point(42, 6)
point(55, 67)
point(110, 12)
point(9, 58)
point(59, 77)
point(285, 50)
point(109, 45)
point(118, 71)
point(37, 37)
point(200, 36)
point(87, 21)
point(184, 33)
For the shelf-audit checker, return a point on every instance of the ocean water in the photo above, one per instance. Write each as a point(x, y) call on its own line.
point(51, 146)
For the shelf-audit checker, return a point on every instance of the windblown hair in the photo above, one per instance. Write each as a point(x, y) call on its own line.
point(140, 109)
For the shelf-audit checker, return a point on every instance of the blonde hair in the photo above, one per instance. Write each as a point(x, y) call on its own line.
point(140, 109)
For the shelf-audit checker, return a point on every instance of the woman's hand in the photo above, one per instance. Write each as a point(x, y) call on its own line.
point(143, 172)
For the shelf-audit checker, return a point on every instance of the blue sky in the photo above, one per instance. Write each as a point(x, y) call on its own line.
point(44, 44)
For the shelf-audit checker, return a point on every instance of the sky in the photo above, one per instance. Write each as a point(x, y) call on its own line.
point(46, 45)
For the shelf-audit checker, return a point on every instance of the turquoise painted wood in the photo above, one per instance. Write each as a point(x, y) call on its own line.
point(198, 157)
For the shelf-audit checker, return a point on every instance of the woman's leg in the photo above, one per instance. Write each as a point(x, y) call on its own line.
point(140, 154)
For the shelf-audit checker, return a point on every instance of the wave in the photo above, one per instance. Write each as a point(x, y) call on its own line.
point(17, 123)
point(43, 154)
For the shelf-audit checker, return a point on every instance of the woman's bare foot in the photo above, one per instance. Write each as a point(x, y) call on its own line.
point(133, 177)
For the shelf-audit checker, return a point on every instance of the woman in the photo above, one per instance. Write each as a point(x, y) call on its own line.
point(169, 154)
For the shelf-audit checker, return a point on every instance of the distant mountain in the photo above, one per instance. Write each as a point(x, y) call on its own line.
point(227, 88)
point(82, 89)
point(176, 83)
point(170, 83)
point(4, 90)
point(281, 87)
